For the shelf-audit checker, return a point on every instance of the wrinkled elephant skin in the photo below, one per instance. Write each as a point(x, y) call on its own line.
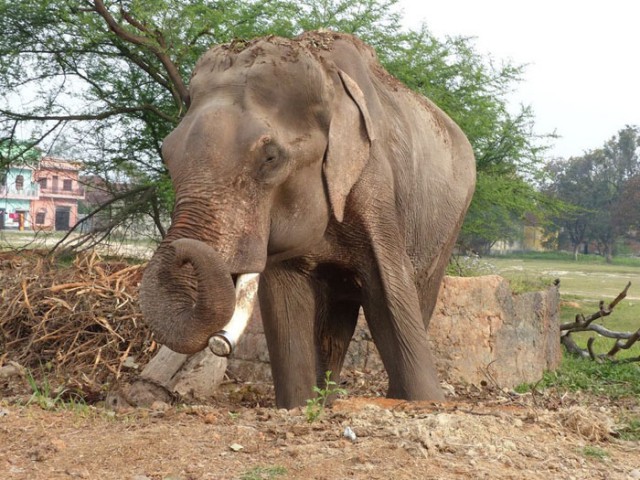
point(304, 161)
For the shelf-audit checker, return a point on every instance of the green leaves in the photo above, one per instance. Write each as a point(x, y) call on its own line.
point(106, 80)
point(316, 405)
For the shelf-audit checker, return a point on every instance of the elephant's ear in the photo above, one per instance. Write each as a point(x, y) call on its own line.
point(350, 138)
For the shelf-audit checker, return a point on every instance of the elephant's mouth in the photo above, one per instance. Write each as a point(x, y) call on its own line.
point(225, 340)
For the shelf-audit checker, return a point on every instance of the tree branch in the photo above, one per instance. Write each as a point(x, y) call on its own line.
point(145, 190)
point(88, 116)
point(170, 67)
point(628, 344)
point(583, 324)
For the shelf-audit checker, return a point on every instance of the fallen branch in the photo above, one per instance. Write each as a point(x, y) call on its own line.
point(584, 324)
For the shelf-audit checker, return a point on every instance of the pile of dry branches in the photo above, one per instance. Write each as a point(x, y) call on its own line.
point(81, 321)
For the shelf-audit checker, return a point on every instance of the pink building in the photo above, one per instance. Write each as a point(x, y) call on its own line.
point(57, 206)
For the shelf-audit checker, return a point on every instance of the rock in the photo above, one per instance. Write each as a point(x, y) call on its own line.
point(509, 445)
point(634, 474)
point(13, 369)
point(480, 332)
point(349, 434)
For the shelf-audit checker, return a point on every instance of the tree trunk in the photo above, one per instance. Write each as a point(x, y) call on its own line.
point(171, 375)
point(608, 252)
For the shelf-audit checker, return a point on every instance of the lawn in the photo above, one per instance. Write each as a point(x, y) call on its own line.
point(583, 284)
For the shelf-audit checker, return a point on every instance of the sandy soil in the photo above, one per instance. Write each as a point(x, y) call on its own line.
point(496, 436)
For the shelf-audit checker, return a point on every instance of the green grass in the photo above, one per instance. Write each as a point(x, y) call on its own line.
point(622, 260)
point(264, 473)
point(585, 279)
point(596, 453)
point(583, 284)
point(578, 374)
point(629, 428)
point(48, 398)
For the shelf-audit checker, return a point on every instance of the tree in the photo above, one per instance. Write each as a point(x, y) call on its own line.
point(110, 77)
point(473, 90)
point(600, 189)
point(572, 221)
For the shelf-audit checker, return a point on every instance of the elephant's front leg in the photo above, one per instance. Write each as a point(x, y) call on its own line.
point(393, 313)
point(288, 302)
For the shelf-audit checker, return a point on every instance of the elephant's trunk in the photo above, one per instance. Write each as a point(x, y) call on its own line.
point(187, 295)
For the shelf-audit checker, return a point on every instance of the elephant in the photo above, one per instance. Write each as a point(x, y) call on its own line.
point(304, 171)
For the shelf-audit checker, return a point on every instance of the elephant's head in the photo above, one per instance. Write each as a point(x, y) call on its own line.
point(269, 150)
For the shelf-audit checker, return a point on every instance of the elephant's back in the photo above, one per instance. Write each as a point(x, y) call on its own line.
point(433, 165)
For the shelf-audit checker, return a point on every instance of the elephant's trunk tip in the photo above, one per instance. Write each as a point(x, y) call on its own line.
point(221, 344)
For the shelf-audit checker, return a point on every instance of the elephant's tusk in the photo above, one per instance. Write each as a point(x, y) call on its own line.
point(223, 342)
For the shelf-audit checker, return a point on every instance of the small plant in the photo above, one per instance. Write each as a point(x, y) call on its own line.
point(611, 380)
point(594, 452)
point(630, 430)
point(316, 405)
point(524, 388)
point(47, 398)
point(42, 394)
point(264, 473)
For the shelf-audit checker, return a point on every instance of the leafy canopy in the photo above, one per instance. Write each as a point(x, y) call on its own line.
point(105, 81)
point(601, 192)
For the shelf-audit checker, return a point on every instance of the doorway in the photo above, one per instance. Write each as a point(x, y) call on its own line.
point(63, 216)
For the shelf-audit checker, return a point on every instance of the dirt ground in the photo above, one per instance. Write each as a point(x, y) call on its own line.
point(70, 325)
point(495, 435)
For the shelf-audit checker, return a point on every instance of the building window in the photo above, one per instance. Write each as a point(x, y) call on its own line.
point(43, 182)
point(3, 179)
point(19, 182)
point(40, 218)
point(67, 185)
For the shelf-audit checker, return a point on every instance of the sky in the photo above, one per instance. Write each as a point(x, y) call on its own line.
point(582, 58)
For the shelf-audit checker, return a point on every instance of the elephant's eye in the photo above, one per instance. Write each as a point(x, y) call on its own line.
point(272, 164)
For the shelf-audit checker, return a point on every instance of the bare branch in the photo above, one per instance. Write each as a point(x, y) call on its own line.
point(628, 344)
point(583, 324)
point(620, 296)
point(592, 354)
point(170, 67)
point(572, 347)
point(145, 190)
point(88, 116)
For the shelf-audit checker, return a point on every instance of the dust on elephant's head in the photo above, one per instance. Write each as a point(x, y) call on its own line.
point(273, 142)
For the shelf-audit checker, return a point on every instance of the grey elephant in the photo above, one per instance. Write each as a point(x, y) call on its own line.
point(304, 165)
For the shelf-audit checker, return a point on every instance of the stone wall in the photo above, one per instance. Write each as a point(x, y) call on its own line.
point(480, 332)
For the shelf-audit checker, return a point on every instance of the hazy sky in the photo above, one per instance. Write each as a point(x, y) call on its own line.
point(583, 57)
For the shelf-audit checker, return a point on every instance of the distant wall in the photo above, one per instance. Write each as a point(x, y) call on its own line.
point(480, 332)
